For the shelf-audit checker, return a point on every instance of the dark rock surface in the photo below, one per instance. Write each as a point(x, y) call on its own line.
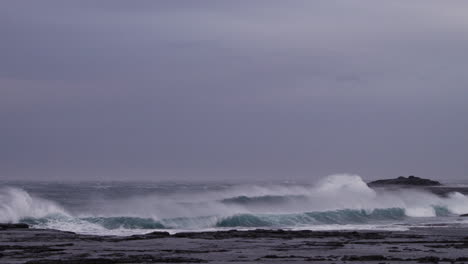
point(404, 181)
point(12, 226)
point(418, 245)
point(278, 234)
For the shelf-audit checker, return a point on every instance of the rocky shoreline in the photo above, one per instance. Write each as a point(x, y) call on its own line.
point(19, 244)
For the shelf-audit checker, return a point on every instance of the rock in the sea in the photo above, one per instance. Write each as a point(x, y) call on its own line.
point(404, 181)
point(464, 215)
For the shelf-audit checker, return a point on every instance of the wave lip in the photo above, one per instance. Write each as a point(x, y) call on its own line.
point(345, 216)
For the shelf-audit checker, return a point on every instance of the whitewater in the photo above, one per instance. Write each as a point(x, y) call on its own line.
point(335, 202)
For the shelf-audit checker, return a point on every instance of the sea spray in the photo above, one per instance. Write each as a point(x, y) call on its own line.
point(337, 200)
point(16, 204)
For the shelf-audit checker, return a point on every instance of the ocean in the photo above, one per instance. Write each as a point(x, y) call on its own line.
point(336, 202)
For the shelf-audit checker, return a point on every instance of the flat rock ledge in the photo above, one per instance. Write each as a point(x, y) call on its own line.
point(21, 245)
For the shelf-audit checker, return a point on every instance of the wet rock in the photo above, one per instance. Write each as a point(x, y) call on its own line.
point(40, 246)
point(364, 258)
point(129, 259)
point(280, 234)
point(404, 181)
point(429, 259)
point(12, 226)
point(152, 235)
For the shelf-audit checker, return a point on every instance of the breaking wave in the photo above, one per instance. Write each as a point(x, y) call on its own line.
point(16, 204)
point(336, 200)
point(313, 218)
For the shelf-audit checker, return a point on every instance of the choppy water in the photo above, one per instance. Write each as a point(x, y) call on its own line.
point(123, 208)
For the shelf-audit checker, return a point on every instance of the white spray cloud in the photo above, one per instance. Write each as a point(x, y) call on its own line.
point(16, 204)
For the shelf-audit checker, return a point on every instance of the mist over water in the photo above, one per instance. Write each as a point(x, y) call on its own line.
point(335, 202)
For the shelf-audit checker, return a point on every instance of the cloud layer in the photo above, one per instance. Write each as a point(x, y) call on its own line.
point(219, 89)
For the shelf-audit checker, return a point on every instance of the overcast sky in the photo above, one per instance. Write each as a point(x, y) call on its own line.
point(201, 90)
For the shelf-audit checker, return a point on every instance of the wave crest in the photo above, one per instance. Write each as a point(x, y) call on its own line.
point(313, 218)
point(16, 204)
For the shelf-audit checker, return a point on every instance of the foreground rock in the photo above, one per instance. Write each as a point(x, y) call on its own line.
point(12, 226)
point(422, 245)
point(403, 181)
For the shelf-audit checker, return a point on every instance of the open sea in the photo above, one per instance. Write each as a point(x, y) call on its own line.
point(336, 202)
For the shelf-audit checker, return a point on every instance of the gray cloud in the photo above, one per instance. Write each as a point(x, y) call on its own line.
point(217, 89)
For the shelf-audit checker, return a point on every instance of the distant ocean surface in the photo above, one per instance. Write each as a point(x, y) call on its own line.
point(125, 208)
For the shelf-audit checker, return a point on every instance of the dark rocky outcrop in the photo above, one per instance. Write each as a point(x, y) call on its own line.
point(151, 235)
point(404, 181)
point(12, 226)
point(464, 215)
